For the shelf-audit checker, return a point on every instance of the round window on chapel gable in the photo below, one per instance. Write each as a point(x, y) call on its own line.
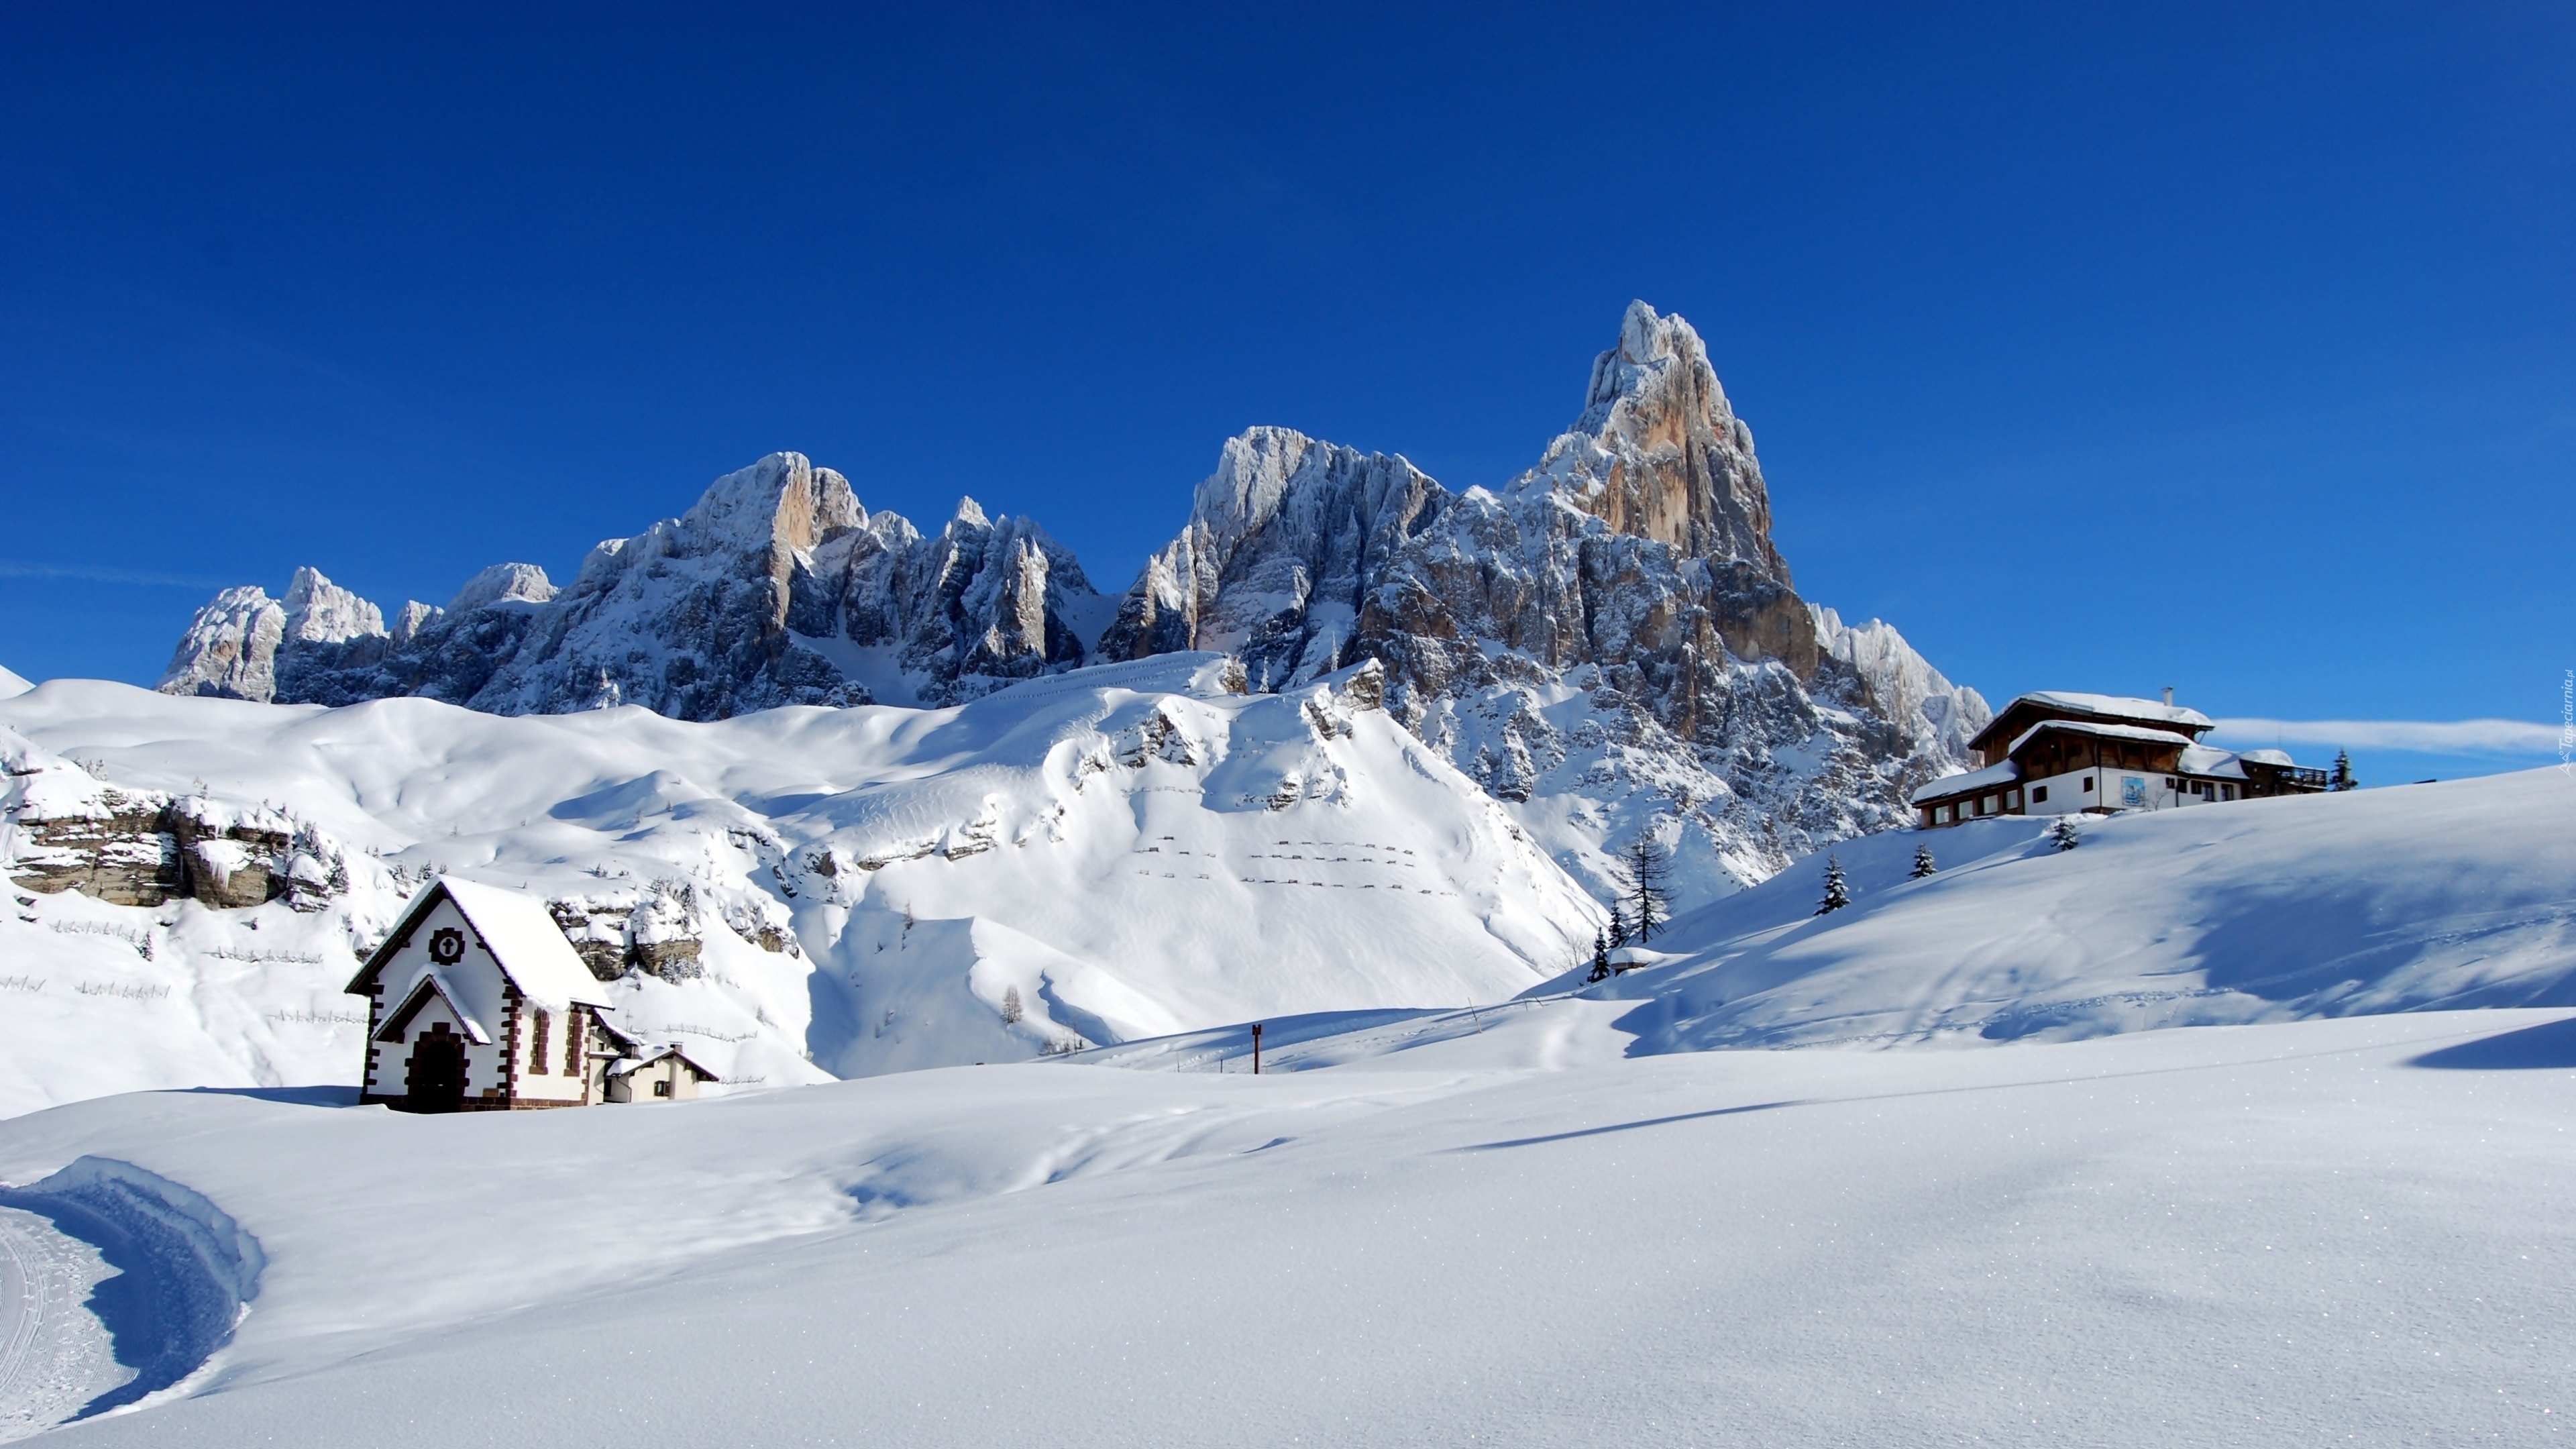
point(447, 946)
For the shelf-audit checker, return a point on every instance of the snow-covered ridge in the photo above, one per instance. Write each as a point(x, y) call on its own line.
point(752, 599)
point(1609, 643)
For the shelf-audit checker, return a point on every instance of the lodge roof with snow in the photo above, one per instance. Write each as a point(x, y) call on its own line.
point(2056, 752)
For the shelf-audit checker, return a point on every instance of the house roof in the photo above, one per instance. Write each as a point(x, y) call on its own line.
point(624, 1065)
point(521, 935)
point(2212, 762)
point(1967, 784)
point(2098, 706)
point(2099, 731)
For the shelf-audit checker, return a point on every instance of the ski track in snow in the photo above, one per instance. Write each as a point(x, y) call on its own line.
point(54, 1355)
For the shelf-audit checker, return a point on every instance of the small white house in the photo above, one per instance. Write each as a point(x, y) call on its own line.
point(662, 1075)
point(476, 1002)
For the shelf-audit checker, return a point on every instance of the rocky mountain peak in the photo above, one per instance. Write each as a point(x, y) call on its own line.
point(501, 583)
point(318, 610)
point(782, 500)
point(1659, 452)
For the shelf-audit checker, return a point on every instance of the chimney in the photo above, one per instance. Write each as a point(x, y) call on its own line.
point(2168, 696)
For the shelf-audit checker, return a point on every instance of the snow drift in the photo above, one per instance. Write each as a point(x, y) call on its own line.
point(186, 1269)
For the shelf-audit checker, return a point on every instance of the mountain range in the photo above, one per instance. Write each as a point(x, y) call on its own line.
point(1610, 643)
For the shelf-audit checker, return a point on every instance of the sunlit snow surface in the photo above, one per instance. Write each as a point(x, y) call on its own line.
point(2406, 899)
point(1488, 1229)
point(1558, 1220)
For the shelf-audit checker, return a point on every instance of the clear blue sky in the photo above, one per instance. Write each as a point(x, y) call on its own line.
point(2096, 347)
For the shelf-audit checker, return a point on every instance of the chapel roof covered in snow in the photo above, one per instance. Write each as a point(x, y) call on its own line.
point(517, 930)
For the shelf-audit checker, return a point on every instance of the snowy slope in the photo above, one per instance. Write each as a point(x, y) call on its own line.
point(2407, 899)
point(2339, 1231)
point(12, 683)
point(1129, 850)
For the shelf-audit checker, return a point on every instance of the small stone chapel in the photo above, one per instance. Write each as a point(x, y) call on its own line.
point(477, 1003)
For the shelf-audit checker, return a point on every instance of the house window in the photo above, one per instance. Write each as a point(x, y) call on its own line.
point(2039, 794)
point(662, 1088)
point(1986, 805)
point(1942, 815)
point(2012, 799)
point(2088, 784)
point(537, 1048)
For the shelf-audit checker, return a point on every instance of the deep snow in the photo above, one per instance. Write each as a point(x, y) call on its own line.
point(1560, 1219)
point(2342, 1230)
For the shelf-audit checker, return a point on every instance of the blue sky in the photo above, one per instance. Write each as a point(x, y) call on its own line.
point(2232, 348)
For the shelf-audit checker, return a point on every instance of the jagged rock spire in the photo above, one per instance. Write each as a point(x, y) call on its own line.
point(1659, 452)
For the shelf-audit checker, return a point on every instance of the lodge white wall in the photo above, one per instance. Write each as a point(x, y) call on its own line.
point(2066, 793)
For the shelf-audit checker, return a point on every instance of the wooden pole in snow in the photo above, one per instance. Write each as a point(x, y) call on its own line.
point(1256, 1048)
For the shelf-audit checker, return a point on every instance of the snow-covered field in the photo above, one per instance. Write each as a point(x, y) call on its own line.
point(2270, 1132)
point(2347, 1231)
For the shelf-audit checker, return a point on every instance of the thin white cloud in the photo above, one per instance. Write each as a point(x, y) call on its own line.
point(84, 573)
point(2432, 737)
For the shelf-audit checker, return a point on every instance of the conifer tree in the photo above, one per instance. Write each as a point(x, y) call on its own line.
point(2343, 778)
point(2062, 835)
point(1837, 890)
point(1923, 864)
point(1600, 959)
point(1648, 866)
point(1618, 925)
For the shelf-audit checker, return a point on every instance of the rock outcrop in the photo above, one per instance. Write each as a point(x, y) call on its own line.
point(64, 829)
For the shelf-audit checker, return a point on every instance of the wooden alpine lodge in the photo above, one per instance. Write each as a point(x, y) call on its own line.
point(2061, 754)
